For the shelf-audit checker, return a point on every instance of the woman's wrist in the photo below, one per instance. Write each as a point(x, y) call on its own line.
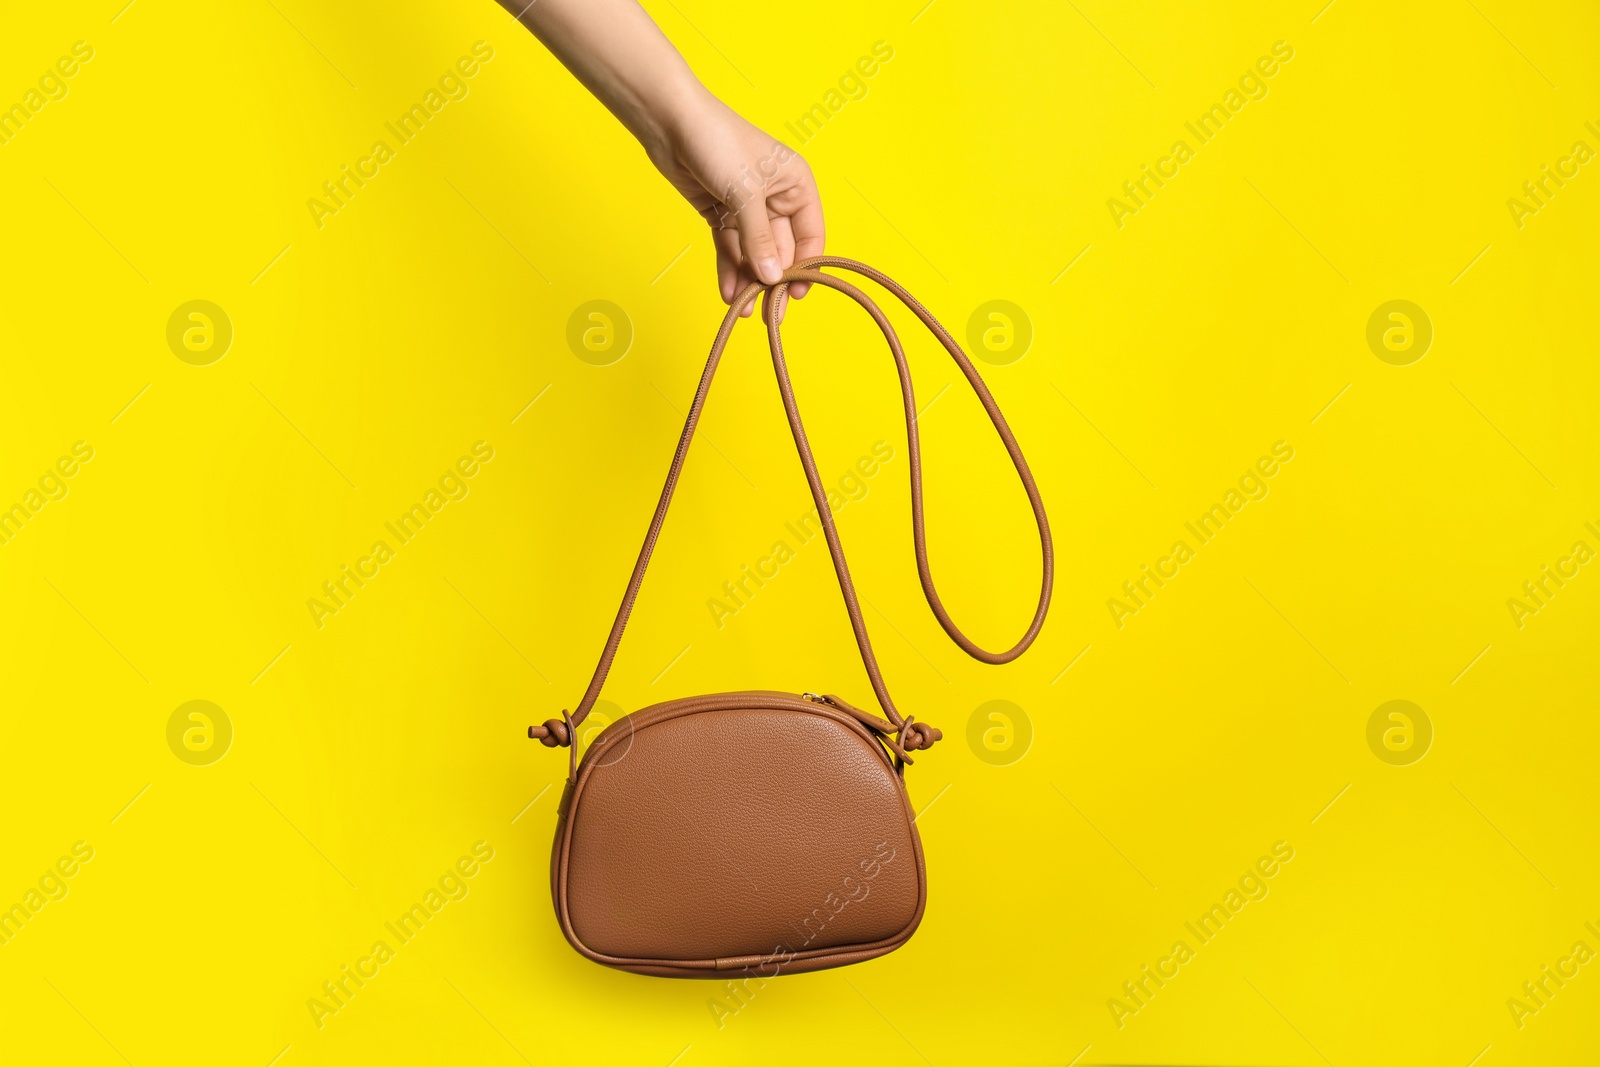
point(671, 109)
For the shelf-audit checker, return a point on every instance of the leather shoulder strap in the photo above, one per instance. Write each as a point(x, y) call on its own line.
point(556, 732)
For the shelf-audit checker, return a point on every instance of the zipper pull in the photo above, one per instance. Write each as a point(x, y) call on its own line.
point(815, 698)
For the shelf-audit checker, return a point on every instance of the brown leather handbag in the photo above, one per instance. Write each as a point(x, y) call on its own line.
point(763, 832)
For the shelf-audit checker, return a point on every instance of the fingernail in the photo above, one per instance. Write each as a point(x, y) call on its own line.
point(769, 271)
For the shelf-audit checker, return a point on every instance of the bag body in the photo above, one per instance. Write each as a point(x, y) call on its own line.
point(755, 831)
point(762, 832)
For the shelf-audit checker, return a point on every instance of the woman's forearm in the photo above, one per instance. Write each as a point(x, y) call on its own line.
point(620, 56)
point(757, 194)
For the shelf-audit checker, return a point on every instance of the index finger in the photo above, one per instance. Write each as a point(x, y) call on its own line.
point(809, 233)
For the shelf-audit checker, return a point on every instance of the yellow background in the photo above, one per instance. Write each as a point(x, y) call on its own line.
point(369, 754)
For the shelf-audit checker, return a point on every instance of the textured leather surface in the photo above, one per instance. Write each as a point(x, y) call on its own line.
point(760, 832)
point(739, 832)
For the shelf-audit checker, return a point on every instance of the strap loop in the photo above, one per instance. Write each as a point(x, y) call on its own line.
point(912, 736)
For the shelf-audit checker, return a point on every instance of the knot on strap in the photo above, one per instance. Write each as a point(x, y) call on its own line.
point(554, 733)
point(915, 736)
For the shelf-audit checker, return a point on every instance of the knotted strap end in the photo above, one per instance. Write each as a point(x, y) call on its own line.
point(917, 736)
point(553, 733)
point(906, 737)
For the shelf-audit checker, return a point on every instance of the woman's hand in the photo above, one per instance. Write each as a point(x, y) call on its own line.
point(757, 193)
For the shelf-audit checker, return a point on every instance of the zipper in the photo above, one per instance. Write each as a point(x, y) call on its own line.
point(872, 722)
point(886, 732)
